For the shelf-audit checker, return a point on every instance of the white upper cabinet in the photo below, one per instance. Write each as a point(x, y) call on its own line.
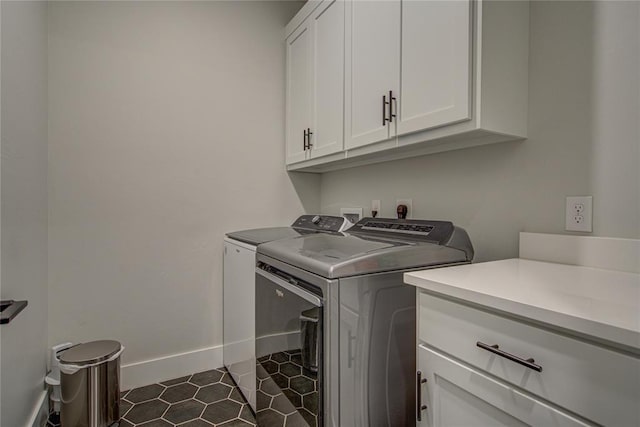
point(327, 24)
point(372, 69)
point(405, 78)
point(436, 65)
point(298, 102)
point(408, 67)
point(315, 83)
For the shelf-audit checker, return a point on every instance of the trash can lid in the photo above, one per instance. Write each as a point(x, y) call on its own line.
point(91, 352)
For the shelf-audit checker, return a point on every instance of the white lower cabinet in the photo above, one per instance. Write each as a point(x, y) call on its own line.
point(456, 394)
point(485, 368)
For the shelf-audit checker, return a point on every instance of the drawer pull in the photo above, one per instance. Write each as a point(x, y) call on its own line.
point(495, 349)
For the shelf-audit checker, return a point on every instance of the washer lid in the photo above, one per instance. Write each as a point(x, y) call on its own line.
point(91, 352)
point(258, 236)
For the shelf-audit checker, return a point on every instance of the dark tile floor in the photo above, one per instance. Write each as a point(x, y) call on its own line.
point(287, 393)
point(204, 399)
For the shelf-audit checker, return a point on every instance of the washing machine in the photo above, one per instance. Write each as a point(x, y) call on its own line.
point(238, 292)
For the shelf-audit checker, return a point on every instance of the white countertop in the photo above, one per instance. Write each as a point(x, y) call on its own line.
point(592, 302)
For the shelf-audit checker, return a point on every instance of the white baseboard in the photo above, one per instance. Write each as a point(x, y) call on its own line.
point(40, 411)
point(165, 368)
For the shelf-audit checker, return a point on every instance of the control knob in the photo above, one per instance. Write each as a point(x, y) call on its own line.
point(316, 219)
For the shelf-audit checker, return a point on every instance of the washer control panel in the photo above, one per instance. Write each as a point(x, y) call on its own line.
point(322, 223)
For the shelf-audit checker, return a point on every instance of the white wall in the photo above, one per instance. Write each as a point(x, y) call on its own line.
point(23, 348)
point(584, 111)
point(166, 124)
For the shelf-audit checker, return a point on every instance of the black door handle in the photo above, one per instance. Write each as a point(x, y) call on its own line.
point(9, 309)
point(419, 406)
point(391, 99)
point(309, 133)
point(384, 110)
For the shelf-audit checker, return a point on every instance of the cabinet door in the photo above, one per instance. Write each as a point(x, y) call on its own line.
point(372, 69)
point(238, 353)
point(458, 395)
point(328, 78)
point(436, 64)
point(299, 63)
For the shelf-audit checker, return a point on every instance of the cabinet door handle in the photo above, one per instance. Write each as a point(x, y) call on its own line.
point(391, 99)
point(304, 140)
point(384, 110)
point(309, 133)
point(419, 406)
point(495, 349)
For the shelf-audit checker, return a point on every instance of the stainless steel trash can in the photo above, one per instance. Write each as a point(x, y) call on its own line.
point(90, 384)
point(309, 323)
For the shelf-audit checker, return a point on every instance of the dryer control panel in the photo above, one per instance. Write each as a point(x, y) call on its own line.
point(431, 231)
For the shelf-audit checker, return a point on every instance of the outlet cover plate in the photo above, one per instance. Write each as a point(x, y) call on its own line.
point(352, 214)
point(408, 203)
point(578, 214)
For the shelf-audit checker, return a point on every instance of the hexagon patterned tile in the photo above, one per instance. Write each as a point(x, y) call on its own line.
point(211, 398)
point(287, 393)
point(204, 399)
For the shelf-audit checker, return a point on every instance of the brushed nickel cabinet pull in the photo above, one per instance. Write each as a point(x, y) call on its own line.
point(495, 349)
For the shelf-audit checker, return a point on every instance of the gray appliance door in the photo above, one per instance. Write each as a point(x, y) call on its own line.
point(377, 351)
point(289, 349)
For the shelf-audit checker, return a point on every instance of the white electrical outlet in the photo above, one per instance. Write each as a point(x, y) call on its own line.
point(579, 213)
point(408, 203)
point(375, 207)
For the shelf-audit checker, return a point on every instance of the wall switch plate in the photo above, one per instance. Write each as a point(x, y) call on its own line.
point(352, 214)
point(578, 214)
point(408, 203)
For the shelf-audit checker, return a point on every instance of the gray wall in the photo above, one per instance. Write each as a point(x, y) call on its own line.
point(23, 349)
point(584, 115)
point(166, 130)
